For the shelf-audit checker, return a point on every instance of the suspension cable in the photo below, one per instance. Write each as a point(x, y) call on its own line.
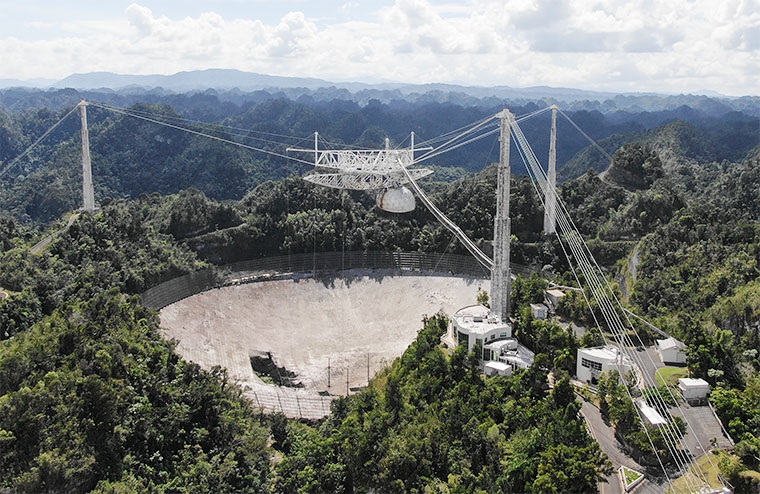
point(35, 143)
point(672, 432)
point(191, 131)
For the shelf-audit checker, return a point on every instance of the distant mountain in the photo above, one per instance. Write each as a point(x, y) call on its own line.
point(250, 81)
point(37, 83)
point(188, 81)
point(241, 87)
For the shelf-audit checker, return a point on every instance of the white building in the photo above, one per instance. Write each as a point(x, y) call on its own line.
point(553, 297)
point(593, 361)
point(473, 325)
point(497, 369)
point(694, 390)
point(539, 311)
point(498, 348)
point(671, 351)
point(650, 414)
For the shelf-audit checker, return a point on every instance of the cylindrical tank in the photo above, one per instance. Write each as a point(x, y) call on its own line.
point(396, 200)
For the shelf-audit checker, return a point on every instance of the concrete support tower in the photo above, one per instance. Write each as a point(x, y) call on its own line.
point(550, 199)
point(500, 273)
point(88, 192)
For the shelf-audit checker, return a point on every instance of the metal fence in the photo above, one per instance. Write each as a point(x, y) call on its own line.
point(319, 263)
point(291, 403)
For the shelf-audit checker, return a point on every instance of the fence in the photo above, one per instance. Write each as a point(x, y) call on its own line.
point(319, 263)
point(290, 402)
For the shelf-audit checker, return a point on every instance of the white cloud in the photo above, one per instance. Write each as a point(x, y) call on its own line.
point(665, 45)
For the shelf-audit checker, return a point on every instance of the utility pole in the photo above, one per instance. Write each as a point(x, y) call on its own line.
point(328, 373)
point(88, 193)
point(368, 369)
point(550, 198)
point(346, 381)
point(500, 273)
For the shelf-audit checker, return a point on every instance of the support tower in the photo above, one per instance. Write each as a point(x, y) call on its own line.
point(550, 198)
point(500, 273)
point(88, 192)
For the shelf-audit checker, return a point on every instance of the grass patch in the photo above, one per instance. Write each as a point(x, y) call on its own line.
point(680, 486)
point(630, 476)
point(670, 375)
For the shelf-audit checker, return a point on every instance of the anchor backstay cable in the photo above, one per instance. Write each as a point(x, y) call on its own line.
point(672, 434)
point(39, 140)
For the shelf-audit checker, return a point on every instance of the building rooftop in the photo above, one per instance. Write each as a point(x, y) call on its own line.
point(498, 345)
point(499, 366)
point(649, 413)
point(606, 353)
point(477, 319)
point(601, 352)
point(538, 306)
point(669, 343)
point(555, 292)
point(522, 357)
point(690, 382)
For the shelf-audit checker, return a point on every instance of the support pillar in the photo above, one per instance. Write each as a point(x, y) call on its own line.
point(550, 198)
point(88, 192)
point(500, 273)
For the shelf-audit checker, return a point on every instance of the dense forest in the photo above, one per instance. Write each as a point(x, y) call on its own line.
point(93, 399)
point(132, 156)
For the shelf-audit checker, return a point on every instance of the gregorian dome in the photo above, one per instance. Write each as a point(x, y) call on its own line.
point(396, 200)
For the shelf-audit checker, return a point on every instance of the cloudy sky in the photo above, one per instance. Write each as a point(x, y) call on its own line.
point(624, 45)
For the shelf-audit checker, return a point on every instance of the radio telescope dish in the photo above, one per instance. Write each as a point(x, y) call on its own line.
point(368, 169)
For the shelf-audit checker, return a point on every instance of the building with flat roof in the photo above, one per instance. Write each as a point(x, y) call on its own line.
point(650, 414)
point(475, 325)
point(694, 391)
point(497, 369)
point(671, 351)
point(593, 361)
point(539, 311)
point(553, 296)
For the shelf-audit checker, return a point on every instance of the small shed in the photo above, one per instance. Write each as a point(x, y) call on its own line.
point(671, 351)
point(694, 390)
point(497, 369)
point(554, 296)
point(650, 414)
point(539, 311)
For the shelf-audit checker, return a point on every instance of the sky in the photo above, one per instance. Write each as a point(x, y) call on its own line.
point(669, 46)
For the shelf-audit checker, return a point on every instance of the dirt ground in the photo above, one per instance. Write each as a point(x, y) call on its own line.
point(307, 323)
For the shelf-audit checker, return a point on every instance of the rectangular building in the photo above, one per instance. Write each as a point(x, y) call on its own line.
point(593, 361)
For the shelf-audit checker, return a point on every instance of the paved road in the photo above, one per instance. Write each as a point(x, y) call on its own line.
point(703, 427)
point(650, 359)
point(605, 436)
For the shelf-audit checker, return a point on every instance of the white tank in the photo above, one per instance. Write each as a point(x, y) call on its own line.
point(396, 200)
